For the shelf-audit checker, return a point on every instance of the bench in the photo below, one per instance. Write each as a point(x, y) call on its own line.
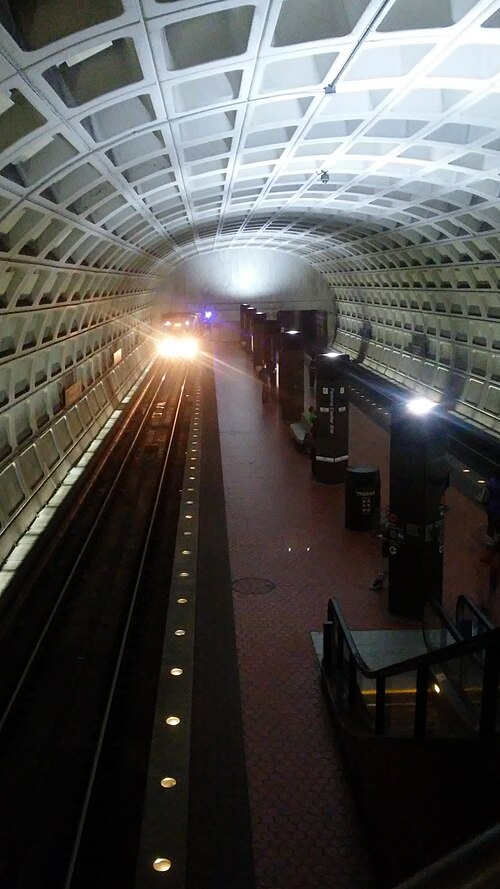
point(301, 431)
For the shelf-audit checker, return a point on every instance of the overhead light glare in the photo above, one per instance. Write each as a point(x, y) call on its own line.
point(421, 406)
point(332, 354)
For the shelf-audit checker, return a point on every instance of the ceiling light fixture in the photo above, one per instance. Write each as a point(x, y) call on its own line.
point(324, 177)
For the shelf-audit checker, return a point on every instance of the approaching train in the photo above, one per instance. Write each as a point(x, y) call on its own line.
point(179, 335)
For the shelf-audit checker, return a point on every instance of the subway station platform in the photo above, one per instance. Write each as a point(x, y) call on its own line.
point(278, 784)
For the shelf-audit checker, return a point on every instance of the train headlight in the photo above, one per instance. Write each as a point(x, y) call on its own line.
point(178, 347)
point(188, 347)
point(163, 347)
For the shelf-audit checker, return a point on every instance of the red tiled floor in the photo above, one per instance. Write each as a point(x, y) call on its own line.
point(287, 529)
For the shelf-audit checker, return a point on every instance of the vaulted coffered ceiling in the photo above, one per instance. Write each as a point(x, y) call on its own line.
point(135, 131)
point(355, 142)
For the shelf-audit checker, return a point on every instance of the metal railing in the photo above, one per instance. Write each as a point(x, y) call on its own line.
point(475, 865)
point(469, 619)
point(448, 691)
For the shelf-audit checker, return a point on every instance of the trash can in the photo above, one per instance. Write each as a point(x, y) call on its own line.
point(362, 497)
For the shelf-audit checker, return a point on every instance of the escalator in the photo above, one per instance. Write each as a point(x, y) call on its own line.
point(420, 737)
point(469, 682)
point(450, 690)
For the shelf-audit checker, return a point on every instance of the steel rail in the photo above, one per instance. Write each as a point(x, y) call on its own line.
point(123, 645)
point(83, 550)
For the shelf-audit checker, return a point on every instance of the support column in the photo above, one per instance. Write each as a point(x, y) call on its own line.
point(243, 309)
point(314, 326)
point(418, 468)
point(290, 376)
point(288, 319)
point(247, 312)
point(332, 418)
point(258, 323)
point(272, 343)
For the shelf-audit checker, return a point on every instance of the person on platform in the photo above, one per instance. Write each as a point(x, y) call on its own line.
point(440, 474)
point(265, 379)
point(310, 417)
point(311, 414)
point(380, 579)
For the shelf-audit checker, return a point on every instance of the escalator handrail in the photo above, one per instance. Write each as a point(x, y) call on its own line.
point(445, 620)
point(428, 658)
point(475, 864)
point(334, 606)
point(464, 600)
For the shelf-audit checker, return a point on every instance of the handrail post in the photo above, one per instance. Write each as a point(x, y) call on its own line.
point(339, 648)
point(491, 672)
point(327, 646)
point(352, 683)
point(421, 701)
point(380, 706)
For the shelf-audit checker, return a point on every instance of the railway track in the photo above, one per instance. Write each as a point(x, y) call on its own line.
point(79, 664)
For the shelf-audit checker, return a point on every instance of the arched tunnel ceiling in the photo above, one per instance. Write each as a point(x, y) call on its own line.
point(140, 140)
point(136, 133)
